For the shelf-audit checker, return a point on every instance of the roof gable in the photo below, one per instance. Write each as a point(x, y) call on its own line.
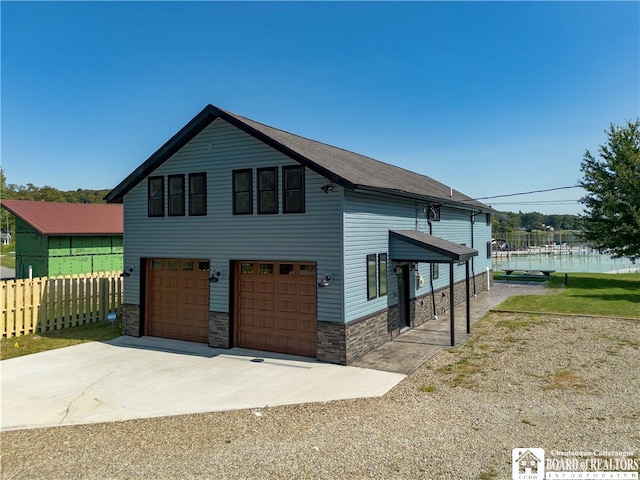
point(348, 169)
point(56, 218)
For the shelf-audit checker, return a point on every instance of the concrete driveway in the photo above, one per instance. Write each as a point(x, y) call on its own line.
point(130, 378)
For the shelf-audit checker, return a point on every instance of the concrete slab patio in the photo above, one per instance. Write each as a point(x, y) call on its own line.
point(410, 350)
point(129, 378)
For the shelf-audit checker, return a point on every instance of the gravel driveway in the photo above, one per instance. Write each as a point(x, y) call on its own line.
point(558, 383)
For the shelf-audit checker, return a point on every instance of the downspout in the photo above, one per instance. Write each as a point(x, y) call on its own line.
point(473, 271)
point(433, 294)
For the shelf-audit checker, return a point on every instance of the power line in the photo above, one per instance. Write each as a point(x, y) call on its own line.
point(527, 193)
point(539, 202)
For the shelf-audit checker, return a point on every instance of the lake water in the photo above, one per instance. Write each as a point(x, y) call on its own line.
point(566, 262)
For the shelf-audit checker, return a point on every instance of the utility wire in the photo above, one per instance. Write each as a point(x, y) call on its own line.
point(527, 193)
point(540, 202)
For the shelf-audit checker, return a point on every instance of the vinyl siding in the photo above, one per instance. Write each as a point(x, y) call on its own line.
point(338, 230)
point(367, 221)
point(220, 236)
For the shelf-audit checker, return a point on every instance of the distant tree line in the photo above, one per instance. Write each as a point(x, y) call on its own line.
point(509, 222)
point(11, 191)
point(502, 221)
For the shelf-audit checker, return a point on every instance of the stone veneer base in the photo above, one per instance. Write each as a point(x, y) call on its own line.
point(338, 342)
point(343, 344)
point(131, 320)
point(219, 332)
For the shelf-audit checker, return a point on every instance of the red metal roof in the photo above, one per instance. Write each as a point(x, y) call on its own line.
point(54, 218)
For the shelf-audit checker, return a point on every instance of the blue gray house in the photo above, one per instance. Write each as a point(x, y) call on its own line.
point(238, 234)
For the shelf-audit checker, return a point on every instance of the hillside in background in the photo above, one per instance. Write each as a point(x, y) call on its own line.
point(11, 191)
point(509, 222)
point(502, 221)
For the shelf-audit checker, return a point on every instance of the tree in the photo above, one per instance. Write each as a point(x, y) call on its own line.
point(611, 221)
point(43, 194)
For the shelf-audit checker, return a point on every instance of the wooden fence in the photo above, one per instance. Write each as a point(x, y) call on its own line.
point(44, 304)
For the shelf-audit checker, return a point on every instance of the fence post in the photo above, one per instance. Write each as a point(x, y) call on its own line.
point(11, 314)
point(36, 301)
point(42, 310)
point(66, 301)
point(59, 287)
point(103, 306)
point(119, 293)
point(74, 300)
point(21, 324)
point(82, 299)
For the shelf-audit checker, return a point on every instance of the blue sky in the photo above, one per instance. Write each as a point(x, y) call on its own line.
point(490, 98)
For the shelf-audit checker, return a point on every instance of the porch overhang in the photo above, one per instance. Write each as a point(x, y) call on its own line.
point(415, 246)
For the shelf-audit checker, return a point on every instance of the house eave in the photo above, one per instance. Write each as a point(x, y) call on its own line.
point(169, 148)
point(210, 113)
point(193, 128)
point(471, 205)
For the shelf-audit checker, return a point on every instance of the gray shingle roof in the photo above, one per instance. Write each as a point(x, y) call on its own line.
point(349, 169)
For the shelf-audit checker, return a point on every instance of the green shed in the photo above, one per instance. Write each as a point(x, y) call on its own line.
point(54, 239)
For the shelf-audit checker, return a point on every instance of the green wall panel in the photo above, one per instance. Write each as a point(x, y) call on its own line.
point(38, 266)
point(59, 246)
point(117, 244)
point(29, 241)
point(70, 265)
point(63, 255)
point(92, 245)
point(107, 263)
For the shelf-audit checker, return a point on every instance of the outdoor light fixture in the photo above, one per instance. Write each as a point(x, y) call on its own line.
point(326, 281)
point(215, 276)
point(327, 188)
point(127, 272)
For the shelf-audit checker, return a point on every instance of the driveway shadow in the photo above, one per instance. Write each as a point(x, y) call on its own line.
point(181, 347)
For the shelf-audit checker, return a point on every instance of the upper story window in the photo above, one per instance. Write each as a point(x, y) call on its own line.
point(197, 194)
point(293, 189)
point(155, 197)
point(488, 219)
point(268, 190)
point(176, 195)
point(242, 192)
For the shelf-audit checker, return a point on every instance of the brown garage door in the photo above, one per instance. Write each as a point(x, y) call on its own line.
point(276, 307)
point(178, 299)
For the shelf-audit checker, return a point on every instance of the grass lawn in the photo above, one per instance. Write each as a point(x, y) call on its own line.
point(39, 342)
point(610, 295)
point(8, 255)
